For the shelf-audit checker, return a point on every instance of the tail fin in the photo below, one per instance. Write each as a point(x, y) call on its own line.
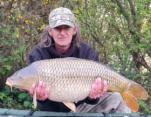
point(138, 91)
point(130, 100)
point(135, 91)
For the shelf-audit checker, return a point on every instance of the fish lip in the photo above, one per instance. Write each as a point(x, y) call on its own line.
point(8, 83)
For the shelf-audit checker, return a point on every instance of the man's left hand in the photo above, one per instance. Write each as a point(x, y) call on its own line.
point(99, 87)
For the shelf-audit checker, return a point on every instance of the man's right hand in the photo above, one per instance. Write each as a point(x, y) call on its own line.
point(40, 90)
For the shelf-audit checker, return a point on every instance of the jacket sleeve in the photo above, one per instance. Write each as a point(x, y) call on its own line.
point(34, 55)
point(86, 52)
point(92, 55)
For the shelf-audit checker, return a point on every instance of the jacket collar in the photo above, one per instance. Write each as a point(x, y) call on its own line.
point(55, 54)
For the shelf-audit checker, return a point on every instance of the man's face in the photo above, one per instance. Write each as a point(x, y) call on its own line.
point(62, 35)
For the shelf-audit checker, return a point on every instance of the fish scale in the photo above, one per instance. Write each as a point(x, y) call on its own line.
point(70, 80)
point(64, 71)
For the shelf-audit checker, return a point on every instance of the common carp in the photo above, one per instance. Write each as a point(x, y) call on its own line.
point(70, 79)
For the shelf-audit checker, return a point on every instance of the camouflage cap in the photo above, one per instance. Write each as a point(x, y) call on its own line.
point(61, 16)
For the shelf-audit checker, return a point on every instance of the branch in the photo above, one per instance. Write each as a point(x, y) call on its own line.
point(132, 7)
point(140, 61)
point(133, 11)
point(124, 12)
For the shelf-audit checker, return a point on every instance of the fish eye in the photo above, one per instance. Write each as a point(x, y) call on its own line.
point(20, 77)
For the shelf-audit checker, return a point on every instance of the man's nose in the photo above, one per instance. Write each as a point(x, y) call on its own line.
point(62, 31)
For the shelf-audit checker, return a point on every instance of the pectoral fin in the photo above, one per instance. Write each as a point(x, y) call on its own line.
point(130, 100)
point(70, 105)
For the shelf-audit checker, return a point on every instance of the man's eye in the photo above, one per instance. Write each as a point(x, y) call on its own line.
point(67, 27)
point(57, 28)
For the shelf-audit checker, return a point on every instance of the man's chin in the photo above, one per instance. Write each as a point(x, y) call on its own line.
point(64, 45)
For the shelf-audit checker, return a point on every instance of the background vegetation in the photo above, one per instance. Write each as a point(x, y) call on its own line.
point(119, 30)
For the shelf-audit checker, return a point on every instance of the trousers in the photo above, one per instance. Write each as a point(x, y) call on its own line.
point(109, 102)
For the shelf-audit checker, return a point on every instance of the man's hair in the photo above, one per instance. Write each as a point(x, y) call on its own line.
point(47, 40)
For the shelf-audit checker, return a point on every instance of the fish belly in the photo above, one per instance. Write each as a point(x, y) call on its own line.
point(71, 89)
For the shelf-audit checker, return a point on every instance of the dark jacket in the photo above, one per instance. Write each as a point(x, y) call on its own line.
point(40, 53)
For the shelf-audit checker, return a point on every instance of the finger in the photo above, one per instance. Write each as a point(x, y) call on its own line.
point(98, 80)
point(93, 96)
point(44, 97)
point(31, 90)
point(41, 84)
point(99, 84)
point(39, 91)
point(95, 88)
point(47, 92)
point(100, 88)
point(105, 86)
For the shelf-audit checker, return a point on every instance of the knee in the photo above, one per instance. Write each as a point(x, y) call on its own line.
point(117, 96)
point(121, 105)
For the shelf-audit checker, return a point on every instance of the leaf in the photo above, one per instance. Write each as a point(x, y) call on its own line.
point(22, 96)
point(27, 104)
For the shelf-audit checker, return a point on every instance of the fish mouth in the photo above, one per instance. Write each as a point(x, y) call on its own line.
point(9, 83)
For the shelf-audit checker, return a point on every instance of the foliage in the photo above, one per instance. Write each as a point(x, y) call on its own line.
point(15, 99)
point(144, 107)
point(120, 31)
point(9, 48)
point(11, 60)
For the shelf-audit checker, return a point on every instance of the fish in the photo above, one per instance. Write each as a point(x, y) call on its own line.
point(69, 80)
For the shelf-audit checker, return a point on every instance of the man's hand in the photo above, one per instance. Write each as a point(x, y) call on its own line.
point(99, 87)
point(40, 90)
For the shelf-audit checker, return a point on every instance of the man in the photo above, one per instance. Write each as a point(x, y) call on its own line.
point(62, 39)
